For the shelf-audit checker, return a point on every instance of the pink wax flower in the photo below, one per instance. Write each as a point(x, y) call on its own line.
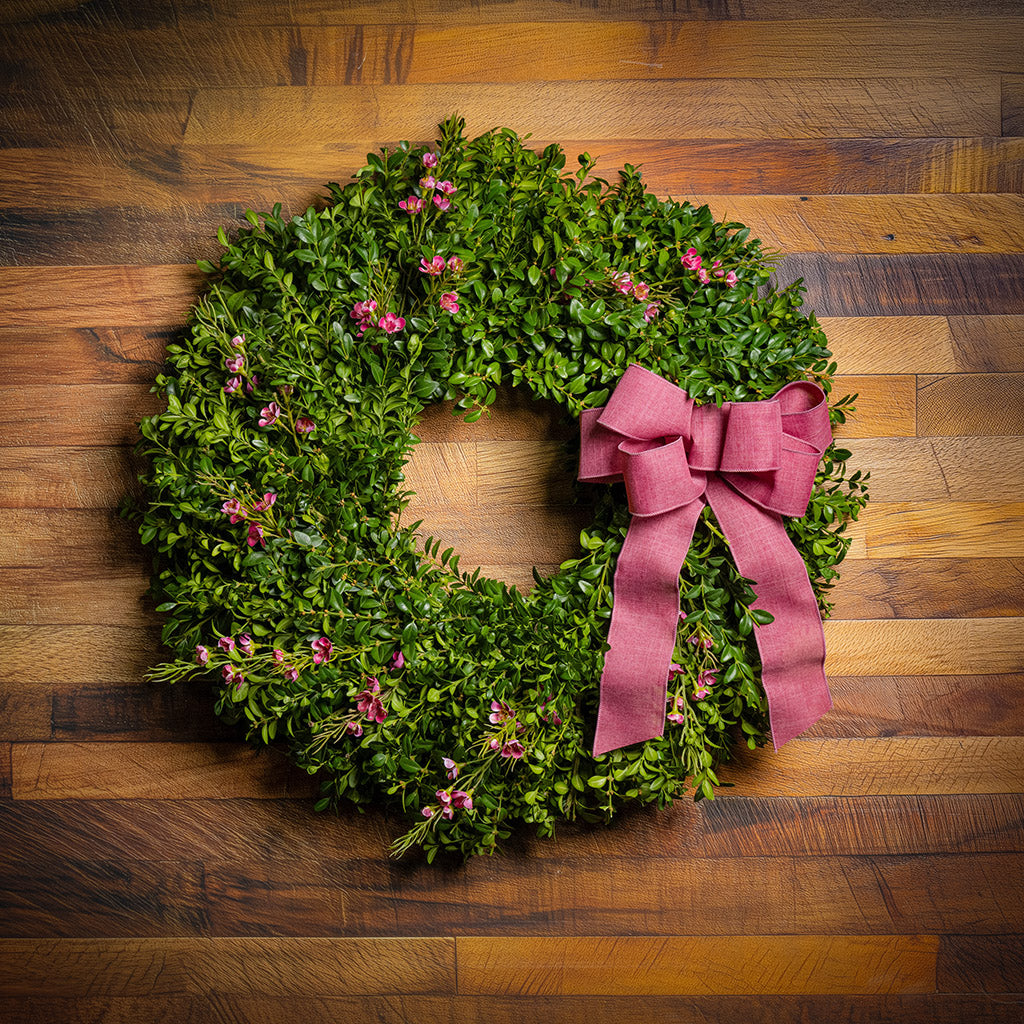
point(252, 384)
point(265, 502)
point(255, 536)
point(461, 801)
point(444, 796)
point(641, 290)
point(708, 642)
point(245, 644)
point(500, 712)
point(434, 267)
point(354, 729)
point(291, 673)
point(513, 749)
point(234, 363)
point(226, 644)
point(376, 712)
point(427, 812)
point(233, 384)
point(495, 743)
point(451, 766)
point(363, 310)
point(428, 182)
point(322, 650)
point(365, 697)
point(278, 656)
point(442, 202)
point(700, 693)
point(675, 670)
point(651, 311)
point(430, 159)
point(691, 260)
point(677, 718)
point(397, 661)
point(238, 341)
point(622, 281)
point(234, 509)
point(391, 324)
point(447, 188)
point(455, 265)
point(411, 205)
point(703, 276)
point(304, 425)
point(270, 414)
point(202, 655)
point(447, 302)
point(231, 676)
point(682, 616)
point(716, 269)
point(730, 279)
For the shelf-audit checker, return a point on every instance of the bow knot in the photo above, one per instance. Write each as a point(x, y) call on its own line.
point(752, 462)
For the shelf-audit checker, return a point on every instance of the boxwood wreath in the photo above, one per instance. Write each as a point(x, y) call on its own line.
point(328, 626)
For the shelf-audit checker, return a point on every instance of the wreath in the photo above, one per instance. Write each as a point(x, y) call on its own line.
point(292, 582)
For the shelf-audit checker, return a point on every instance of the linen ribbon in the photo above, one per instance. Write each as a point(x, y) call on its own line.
point(752, 462)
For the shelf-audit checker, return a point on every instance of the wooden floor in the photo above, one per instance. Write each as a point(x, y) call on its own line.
point(873, 871)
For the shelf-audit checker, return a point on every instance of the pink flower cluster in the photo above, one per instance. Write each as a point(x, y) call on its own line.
point(692, 261)
point(323, 650)
point(237, 512)
point(366, 314)
point(236, 365)
point(705, 680)
point(442, 190)
point(448, 302)
point(640, 290)
point(368, 701)
point(501, 714)
point(450, 801)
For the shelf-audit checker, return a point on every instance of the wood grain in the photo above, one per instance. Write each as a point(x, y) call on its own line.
point(644, 966)
point(982, 403)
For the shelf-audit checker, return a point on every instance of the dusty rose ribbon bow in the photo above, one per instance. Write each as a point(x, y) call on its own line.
point(752, 462)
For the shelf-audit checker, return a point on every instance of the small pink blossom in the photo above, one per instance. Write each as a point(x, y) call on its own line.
point(433, 267)
point(322, 650)
point(622, 281)
point(444, 796)
point(278, 656)
point(677, 718)
point(291, 673)
point(700, 693)
point(428, 182)
point(682, 616)
point(430, 159)
point(513, 749)
point(495, 743)
point(245, 644)
point(455, 265)
point(255, 536)
point(708, 642)
point(442, 202)
point(731, 279)
point(304, 425)
point(234, 509)
point(500, 712)
point(235, 363)
point(691, 260)
point(265, 502)
point(233, 384)
point(675, 670)
point(252, 384)
point(226, 644)
point(427, 812)
point(651, 311)
point(363, 310)
point(411, 205)
point(447, 188)
point(462, 801)
point(448, 303)
point(641, 290)
point(270, 414)
point(202, 655)
point(703, 276)
point(231, 676)
point(716, 269)
point(354, 729)
point(238, 341)
point(397, 661)
point(391, 324)
point(451, 766)
point(369, 704)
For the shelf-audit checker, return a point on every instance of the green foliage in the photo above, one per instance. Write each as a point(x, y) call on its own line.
point(332, 556)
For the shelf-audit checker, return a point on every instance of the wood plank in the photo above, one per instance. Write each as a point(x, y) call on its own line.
point(62, 297)
point(923, 646)
point(917, 588)
point(643, 966)
point(885, 767)
point(241, 966)
point(939, 529)
point(694, 108)
point(100, 355)
point(1013, 104)
point(51, 596)
point(939, 705)
point(926, 344)
point(77, 654)
point(89, 540)
point(128, 770)
point(981, 963)
point(935, 283)
point(60, 477)
point(6, 771)
point(979, 403)
point(367, 55)
point(944, 1008)
point(877, 224)
point(884, 406)
point(588, 896)
point(937, 467)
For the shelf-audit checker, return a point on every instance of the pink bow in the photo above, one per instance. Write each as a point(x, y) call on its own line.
point(752, 462)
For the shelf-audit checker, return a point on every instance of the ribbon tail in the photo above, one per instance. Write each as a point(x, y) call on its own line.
point(793, 646)
point(642, 635)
